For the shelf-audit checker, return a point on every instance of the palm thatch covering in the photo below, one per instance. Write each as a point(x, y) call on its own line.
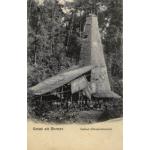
point(106, 94)
point(59, 80)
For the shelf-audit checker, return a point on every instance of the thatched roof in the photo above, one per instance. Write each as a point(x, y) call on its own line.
point(59, 80)
point(106, 94)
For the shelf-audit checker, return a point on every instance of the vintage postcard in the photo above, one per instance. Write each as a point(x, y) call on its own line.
point(75, 81)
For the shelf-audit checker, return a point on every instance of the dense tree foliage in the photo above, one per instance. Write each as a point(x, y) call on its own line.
point(55, 36)
point(46, 40)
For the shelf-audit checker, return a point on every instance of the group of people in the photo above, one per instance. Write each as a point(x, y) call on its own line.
point(78, 105)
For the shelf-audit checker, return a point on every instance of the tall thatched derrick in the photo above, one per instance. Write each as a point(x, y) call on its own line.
point(92, 54)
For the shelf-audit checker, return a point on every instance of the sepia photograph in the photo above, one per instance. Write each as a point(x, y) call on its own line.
point(74, 74)
point(74, 61)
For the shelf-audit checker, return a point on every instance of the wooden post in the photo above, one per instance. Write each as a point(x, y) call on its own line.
point(79, 97)
point(71, 99)
point(40, 99)
point(61, 96)
point(81, 102)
